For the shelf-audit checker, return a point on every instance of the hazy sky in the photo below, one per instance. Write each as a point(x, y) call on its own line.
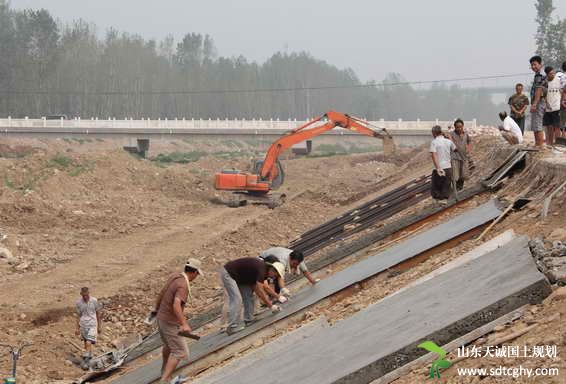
point(433, 39)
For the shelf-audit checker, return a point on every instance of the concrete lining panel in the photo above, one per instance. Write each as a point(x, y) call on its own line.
point(385, 336)
point(346, 249)
point(268, 351)
point(356, 273)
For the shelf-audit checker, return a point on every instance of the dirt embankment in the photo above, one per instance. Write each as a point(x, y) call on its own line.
point(77, 216)
point(97, 216)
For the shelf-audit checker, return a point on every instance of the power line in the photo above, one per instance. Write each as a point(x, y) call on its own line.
point(258, 90)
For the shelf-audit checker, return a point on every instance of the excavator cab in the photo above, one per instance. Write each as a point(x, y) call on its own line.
point(277, 180)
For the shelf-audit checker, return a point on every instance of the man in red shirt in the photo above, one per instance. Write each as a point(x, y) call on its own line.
point(171, 319)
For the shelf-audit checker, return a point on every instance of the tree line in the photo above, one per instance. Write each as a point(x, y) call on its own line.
point(47, 67)
point(551, 34)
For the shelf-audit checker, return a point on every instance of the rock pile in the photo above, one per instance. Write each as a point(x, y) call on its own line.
point(550, 256)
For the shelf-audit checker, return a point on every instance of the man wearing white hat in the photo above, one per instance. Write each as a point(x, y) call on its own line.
point(171, 320)
point(242, 278)
point(293, 261)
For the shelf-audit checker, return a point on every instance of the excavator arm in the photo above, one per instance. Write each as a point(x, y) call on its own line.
point(269, 170)
point(267, 176)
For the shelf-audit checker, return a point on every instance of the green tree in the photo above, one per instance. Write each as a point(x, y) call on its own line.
point(551, 33)
point(8, 55)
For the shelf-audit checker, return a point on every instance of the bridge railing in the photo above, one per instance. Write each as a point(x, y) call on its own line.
point(204, 123)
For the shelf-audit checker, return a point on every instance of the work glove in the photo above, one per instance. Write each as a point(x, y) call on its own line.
point(275, 309)
point(285, 292)
point(282, 299)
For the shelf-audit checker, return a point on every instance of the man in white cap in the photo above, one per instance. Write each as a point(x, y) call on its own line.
point(293, 261)
point(171, 320)
point(242, 278)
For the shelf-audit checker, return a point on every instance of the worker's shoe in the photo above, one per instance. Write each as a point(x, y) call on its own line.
point(231, 331)
point(179, 380)
point(85, 364)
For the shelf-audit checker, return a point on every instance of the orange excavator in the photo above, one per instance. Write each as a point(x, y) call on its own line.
point(268, 175)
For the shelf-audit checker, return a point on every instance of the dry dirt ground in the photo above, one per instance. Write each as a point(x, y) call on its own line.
point(76, 214)
point(89, 214)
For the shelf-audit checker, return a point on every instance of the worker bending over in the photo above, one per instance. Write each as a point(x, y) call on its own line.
point(293, 261)
point(510, 130)
point(242, 278)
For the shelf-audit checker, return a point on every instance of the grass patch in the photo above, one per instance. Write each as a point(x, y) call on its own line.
point(252, 142)
point(100, 140)
point(327, 150)
point(27, 185)
point(192, 156)
point(60, 161)
point(73, 167)
point(199, 172)
point(77, 169)
point(179, 157)
point(233, 143)
point(81, 141)
point(9, 183)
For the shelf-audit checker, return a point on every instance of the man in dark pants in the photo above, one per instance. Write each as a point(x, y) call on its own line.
point(538, 102)
point(518, 104)
point(242, 278)
point(440, 149)
point(460, 157)
point(563, 101)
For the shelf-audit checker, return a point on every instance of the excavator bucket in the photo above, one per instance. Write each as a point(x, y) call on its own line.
point(388, 145)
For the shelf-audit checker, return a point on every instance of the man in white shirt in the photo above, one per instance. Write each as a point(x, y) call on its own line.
point(562, 77)
point(510, 130)
point(551, 119)
point(293, 262)
point(89, 322)
point(440, 148)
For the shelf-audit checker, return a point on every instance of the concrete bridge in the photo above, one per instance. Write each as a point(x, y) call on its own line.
point(405, 133)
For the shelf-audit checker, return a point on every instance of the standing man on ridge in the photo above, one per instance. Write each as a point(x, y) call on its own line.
point(518, 103)
point(538, 103)
point(440, 149)
point(460, 157)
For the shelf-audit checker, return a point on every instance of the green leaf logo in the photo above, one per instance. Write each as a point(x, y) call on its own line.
point(439, 363)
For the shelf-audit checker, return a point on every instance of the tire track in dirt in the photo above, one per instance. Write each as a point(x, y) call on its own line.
point(110, 265)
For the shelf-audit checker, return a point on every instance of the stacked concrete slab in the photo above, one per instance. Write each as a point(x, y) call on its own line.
point(385, 335)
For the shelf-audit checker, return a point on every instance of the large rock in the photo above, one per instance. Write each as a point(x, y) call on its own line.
point(6, 255)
